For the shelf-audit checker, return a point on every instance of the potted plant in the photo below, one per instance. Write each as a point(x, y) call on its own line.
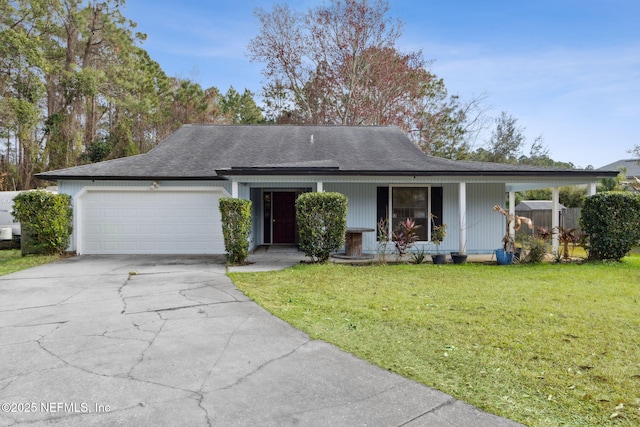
point(438, 233)
point(504, 256)
point(459, 257)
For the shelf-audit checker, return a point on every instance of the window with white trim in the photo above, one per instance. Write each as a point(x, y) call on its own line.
point(418, 203)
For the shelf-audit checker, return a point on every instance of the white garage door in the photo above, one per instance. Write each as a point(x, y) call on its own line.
point(150, 222)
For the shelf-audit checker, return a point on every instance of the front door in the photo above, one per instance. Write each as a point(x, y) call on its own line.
point(284, 217)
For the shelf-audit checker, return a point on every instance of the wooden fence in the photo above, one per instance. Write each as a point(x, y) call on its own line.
point(542, 218)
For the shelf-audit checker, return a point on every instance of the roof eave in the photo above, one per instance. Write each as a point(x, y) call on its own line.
point(338, 172)
point(127, 178)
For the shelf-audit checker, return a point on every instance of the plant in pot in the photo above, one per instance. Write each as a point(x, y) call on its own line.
point(459, 257)
point(504, 256)
point(438, 233)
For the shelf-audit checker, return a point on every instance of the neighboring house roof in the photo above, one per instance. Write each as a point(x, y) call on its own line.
point(537, 205)
point(632, 167)
point(214, 151)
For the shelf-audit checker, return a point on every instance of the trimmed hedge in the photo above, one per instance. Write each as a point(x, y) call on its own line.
point(46, 221)
point(236, 228)
point(611, 221)
point(322, 223)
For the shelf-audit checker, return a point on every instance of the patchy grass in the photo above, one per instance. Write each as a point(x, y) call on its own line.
point(545, 345)
point(12, 261)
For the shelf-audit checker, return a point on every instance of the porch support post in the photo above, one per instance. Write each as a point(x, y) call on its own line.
point(319, 186)
point(592, 189)
point(234, 189)
point(462, 206)
point(512, 213)
point(555, 219)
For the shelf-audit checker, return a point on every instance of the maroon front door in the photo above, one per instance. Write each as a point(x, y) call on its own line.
point(284, 217)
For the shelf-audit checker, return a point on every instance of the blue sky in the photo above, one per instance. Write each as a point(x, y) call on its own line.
point(568, 70)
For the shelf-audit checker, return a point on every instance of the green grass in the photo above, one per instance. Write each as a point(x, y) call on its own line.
point(545, 345)
point(12, 261)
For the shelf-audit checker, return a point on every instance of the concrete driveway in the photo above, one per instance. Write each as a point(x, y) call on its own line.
point(148, 340)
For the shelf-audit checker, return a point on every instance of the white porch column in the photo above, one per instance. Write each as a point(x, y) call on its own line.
point(512, 213)
point(592, 189)
point(319, 186)
point(234, 189)
point(555, 219)
point(462, 206)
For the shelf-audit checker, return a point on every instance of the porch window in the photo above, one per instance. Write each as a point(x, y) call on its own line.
point(415, 203)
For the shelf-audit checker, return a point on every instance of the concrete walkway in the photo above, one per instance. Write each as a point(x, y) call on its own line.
point(153, 341)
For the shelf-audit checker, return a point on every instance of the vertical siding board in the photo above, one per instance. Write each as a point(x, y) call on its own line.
point(484, 227)
point(362, 208)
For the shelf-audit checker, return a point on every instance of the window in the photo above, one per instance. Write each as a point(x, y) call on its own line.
point(411, 202)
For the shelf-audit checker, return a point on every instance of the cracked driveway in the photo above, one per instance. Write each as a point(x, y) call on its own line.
point(151, 340)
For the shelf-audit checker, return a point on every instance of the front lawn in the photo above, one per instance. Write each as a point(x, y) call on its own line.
point(12, 261)
point(545, 345)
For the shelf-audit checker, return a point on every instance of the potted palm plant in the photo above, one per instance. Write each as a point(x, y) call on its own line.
point(438, 233)
point(504, 256)
point(459, 257)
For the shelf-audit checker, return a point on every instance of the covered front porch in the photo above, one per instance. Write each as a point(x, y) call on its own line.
point(463, 203)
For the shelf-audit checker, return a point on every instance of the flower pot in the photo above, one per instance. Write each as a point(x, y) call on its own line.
point(517, 254)
point(503, 257)
point(439, 258)
point(458, 258)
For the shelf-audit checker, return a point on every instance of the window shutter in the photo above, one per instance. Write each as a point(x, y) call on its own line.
point(436, 205)
point(382, 206)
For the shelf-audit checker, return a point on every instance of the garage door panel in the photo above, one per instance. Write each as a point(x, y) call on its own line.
point(139, 222)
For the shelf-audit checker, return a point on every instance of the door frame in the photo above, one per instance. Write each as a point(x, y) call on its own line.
point(266, 214)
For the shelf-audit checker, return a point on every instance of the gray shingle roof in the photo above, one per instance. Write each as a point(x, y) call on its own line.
point(632, 167)
point(537, 205)
point(212, 151)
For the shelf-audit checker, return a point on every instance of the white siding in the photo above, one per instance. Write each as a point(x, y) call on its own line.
point(484, 227)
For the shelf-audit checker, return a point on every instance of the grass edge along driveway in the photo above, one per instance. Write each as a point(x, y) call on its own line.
point(544, 345)
point(12, 260)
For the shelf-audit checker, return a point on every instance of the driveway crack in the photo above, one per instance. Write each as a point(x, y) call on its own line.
point(122, 297)
point(447, 402)
point(143, 352)
point(264, 365)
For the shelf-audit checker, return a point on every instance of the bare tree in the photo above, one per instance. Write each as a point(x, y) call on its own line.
point(338, 64)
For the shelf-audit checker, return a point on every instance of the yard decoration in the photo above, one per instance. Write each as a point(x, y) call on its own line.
point(505, 255)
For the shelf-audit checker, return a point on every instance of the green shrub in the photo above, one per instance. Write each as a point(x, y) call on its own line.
point(46, 221)
point(322, 223)
point(537, 250)
point(236, 228)
point(611, 221)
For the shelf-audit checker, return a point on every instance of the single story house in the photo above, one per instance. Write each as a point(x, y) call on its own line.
point(631, 167)
point(166, 201)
